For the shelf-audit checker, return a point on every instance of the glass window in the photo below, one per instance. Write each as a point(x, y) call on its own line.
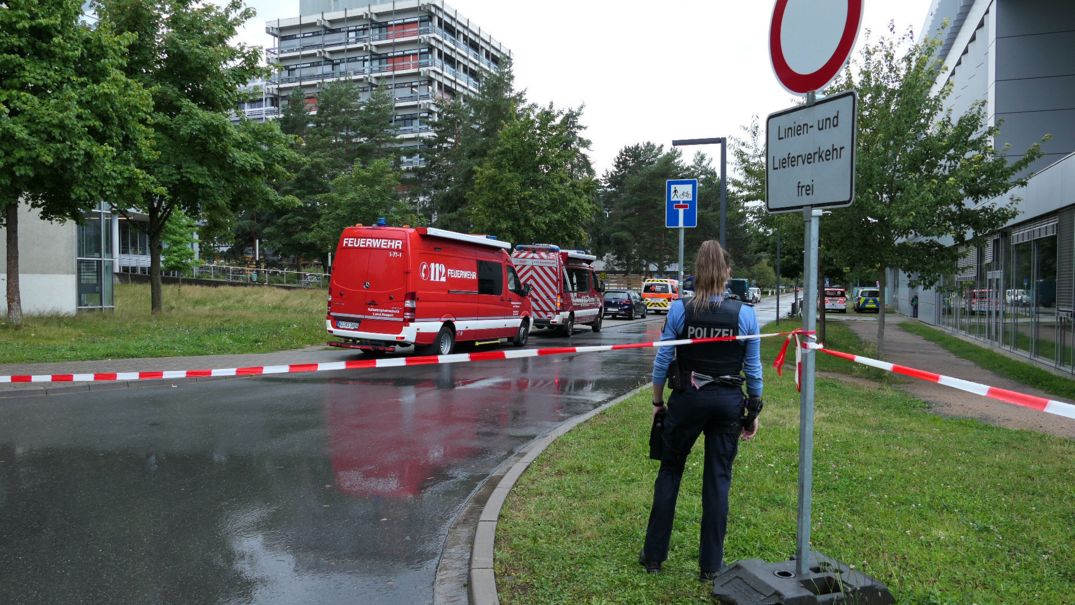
point(513, 281)
point(1045, 297)
point(490, 278)
point(89, 236)
point(578, 280)
point(1022, 316)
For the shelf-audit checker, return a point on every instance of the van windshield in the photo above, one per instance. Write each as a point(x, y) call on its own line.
point(656, 289)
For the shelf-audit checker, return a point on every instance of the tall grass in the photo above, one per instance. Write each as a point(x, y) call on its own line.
point(195, 320)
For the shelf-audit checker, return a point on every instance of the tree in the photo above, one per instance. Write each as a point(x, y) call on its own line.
point(346, 133)
point(362, 196)
point(465, 132)
point(72, 126)
point(178, 239)
point(925, 180)
point(536, 185)
point(633, 200)
point(206, 164)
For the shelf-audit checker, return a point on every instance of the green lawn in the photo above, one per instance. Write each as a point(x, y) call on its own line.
point(1019, 371)
point(197, 320)
point(838, 336)
point(941, 510)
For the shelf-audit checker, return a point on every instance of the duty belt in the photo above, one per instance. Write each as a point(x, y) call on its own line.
point(700, 380)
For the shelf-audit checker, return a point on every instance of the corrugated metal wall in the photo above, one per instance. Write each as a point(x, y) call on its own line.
point(1065, 267)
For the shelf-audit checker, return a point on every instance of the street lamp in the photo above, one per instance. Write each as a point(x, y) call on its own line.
point(723, 142)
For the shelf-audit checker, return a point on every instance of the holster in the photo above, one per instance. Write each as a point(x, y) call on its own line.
point(675, 378)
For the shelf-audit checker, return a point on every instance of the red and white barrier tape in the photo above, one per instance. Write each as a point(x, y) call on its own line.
point(1041, 404)
point(356, 364)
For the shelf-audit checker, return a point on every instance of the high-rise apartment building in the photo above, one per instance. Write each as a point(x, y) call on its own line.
point(418, 50)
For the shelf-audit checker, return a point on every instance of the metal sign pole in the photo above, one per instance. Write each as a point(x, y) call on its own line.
point(812, 218)
point(681, 232)
point(723, 191)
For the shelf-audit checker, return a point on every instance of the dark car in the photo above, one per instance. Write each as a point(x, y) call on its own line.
point(624, 303)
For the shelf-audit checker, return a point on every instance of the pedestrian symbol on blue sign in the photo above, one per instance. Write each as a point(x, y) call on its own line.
point(681, 203)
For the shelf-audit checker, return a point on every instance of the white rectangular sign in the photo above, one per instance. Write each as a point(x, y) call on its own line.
point(810, 155)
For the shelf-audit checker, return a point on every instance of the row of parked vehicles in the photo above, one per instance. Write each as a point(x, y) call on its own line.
point(398, 289)
point(867, 300)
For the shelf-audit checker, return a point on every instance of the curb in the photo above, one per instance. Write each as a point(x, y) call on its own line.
point(482, 585)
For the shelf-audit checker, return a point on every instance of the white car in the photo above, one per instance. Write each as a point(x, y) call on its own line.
point(754, 294)
point(836, 300)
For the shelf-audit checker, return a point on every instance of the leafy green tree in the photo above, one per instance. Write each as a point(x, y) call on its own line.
point(207, 165)
point(466, 131)
point(178, 239)
point(362, 196)
point(633, 204)
point(345, 133)
point(295, 116)
point(925, 179)
point(72, 126)
point(633, 201)
point(536, 185)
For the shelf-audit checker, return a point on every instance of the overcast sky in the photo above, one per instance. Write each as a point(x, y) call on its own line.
point(645, 71)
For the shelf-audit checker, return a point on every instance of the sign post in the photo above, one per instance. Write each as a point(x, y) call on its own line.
point(809, 165)
point(681, 210)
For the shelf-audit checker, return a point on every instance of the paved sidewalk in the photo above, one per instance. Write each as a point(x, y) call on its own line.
point(311, 354)
point(911, 350)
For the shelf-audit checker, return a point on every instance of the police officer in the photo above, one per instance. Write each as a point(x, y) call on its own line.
point(709, 401)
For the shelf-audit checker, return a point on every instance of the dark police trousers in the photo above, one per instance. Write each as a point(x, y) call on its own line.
point(715, 411)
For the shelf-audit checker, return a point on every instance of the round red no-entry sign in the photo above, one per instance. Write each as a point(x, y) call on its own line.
point(810, 40)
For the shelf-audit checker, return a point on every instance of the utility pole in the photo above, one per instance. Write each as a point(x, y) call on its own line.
point(723, 142)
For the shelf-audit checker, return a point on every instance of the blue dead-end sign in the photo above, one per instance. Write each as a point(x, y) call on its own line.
point(681, 203)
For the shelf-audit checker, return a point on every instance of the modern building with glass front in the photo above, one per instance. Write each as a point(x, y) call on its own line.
point(1016, 291)
point(418, 50)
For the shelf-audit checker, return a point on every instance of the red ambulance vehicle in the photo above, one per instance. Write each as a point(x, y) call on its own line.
point(564, 290)
point(398, 289)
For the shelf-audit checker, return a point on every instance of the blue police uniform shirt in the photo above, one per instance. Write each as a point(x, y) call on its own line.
point(748, 324)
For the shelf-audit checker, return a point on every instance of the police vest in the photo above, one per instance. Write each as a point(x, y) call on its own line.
point(712, 358)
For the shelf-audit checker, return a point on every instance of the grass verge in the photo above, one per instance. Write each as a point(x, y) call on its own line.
point(1002, 365)
point(196, 320)
point(837, 336)
point(941, 510)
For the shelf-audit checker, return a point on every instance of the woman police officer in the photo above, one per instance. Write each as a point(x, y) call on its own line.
point(710, 401)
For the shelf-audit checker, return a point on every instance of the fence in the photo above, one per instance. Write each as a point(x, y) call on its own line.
point(254, 275)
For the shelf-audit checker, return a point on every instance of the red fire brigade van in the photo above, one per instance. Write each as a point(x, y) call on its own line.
point(564, 290)
point(397, 288)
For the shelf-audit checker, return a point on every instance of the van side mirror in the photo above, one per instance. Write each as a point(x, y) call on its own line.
point(526, 290)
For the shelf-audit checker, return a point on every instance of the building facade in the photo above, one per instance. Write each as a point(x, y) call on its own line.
point(63, 267)
point(420, 51)
point(1017, 290)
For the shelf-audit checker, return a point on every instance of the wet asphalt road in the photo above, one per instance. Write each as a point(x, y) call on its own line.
point(327, 488)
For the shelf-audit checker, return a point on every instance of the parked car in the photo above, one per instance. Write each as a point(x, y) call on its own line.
point(624, 303)
point(868, 301)
point(738, 287)
point(982, 301)
point(836, 300)
point(754, 295)
point(1017, 297)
